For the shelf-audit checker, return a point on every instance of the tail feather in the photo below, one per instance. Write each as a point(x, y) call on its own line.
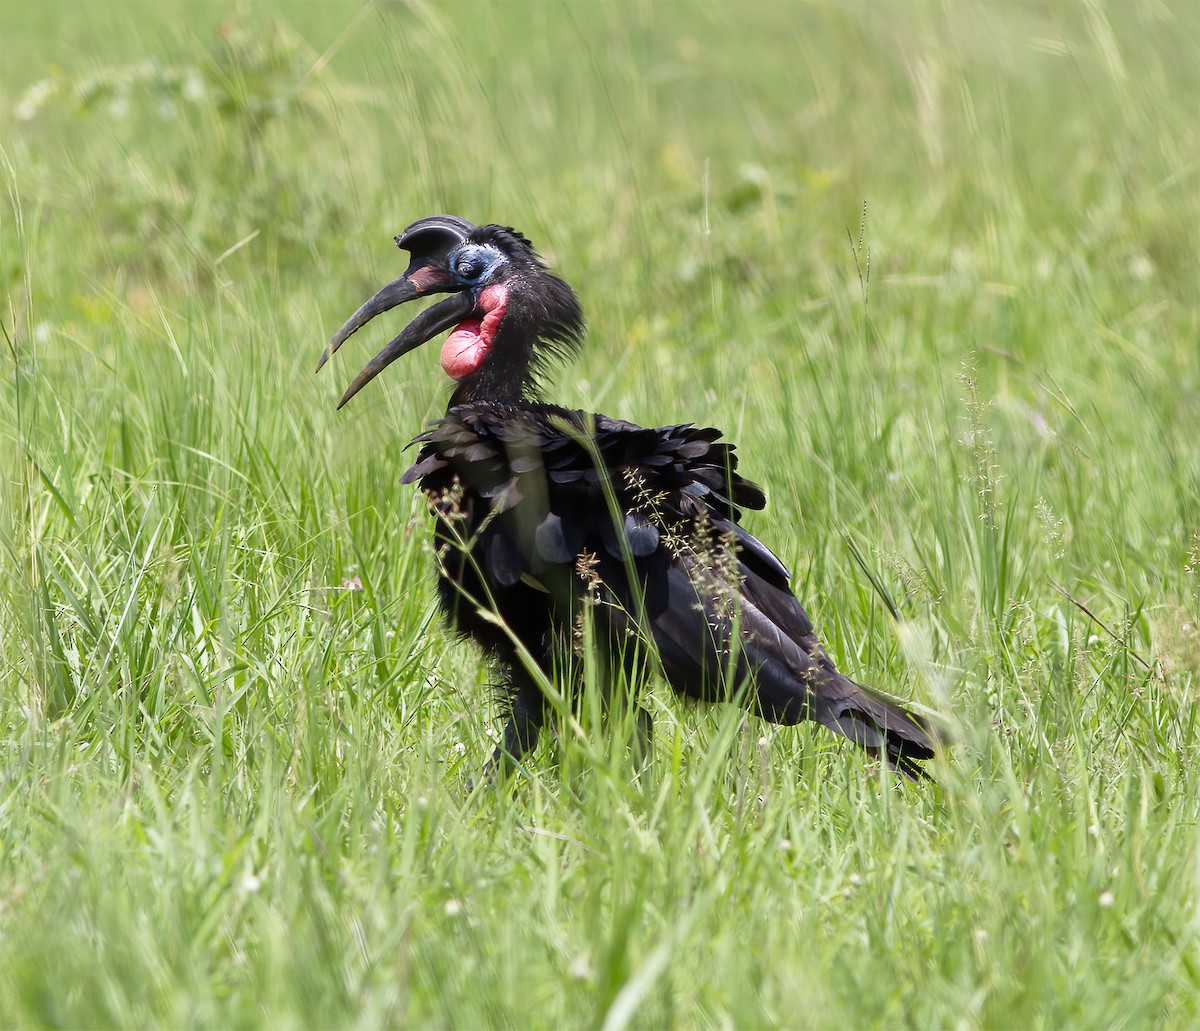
point(797, 680)
point(885, 729)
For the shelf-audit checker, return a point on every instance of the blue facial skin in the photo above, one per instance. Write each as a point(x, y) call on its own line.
point(473, 263)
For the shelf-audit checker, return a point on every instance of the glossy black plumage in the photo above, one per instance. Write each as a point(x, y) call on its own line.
point(543, 513)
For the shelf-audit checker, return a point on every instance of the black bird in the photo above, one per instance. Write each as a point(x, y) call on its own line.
point(543, 514)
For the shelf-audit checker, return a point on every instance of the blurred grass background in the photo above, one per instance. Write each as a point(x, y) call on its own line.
point(235, 740)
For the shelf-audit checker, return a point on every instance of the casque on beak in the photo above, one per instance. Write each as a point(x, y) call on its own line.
point(430, 241)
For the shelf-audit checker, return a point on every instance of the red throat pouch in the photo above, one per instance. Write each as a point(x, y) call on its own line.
point(469, 344)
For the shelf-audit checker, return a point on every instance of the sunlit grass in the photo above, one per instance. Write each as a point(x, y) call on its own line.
point(235, 741)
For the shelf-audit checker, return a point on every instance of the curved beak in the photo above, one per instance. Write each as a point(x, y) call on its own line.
point(429, 241)
point(423, 328)
point(413, 284)
point(395, 293)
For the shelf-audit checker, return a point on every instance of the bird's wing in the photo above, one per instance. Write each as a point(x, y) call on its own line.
point(562, 483)
point(646, 521)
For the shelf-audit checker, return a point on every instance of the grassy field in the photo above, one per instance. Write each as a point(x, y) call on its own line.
point(235, 741)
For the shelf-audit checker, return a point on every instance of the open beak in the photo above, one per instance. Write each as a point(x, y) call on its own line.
point(424, 327)
point(428, 240)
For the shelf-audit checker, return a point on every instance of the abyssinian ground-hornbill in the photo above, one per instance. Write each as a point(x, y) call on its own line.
point(544, 513)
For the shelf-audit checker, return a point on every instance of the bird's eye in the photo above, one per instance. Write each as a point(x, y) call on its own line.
point(470, 267)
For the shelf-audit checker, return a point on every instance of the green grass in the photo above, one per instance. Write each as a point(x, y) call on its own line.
point(233, 789)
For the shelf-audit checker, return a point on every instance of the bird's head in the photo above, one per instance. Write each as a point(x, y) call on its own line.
point(508, 312)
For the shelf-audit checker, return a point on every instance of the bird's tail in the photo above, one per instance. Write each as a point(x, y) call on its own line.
point(884, 728)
